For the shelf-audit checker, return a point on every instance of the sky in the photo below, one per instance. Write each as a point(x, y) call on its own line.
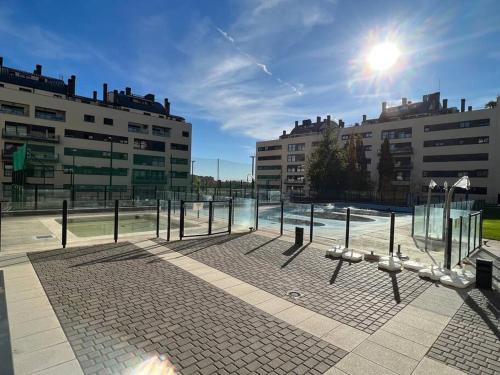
point(245, 70)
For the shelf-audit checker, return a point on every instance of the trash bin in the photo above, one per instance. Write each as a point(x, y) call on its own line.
point(299, 236)
point(484, 274)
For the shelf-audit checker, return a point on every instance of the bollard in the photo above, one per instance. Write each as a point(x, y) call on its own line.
point(116, 221)
point(157, 218)
point(168, 219)
point(299, 236)
point(347, 225)
point(484, 274)
point(281, 217)
point(311, 224)
point(391, 235)
point(64, 222)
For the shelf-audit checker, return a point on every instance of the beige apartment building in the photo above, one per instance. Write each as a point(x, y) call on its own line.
point(428, 140)
point(119, 140)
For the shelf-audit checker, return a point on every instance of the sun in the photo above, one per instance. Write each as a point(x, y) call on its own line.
point(383, 56)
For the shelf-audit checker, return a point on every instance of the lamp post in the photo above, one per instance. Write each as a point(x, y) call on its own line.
point(110, 139)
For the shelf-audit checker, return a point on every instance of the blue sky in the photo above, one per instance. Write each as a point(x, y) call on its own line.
point(241, 71)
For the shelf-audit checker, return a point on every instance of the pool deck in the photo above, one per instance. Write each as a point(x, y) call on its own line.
point(218, 305)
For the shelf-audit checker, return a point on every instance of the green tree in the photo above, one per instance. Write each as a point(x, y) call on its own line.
point(385, 168)
point(326, 167)
point(491, 104)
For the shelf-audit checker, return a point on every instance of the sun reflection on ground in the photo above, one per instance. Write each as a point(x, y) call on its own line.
point(155, 366)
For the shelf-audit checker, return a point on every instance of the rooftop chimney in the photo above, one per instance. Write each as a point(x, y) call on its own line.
point(445, 103)
point(105, 92)
point(71, 85)
point(404, 101)
point(284, 132)
point(167, 107)
point(1, 61)
point(38, 69)
point(462, 105)
point(328, 120)
point(296, 123)
point(384, 106)
point(115, 96)
point(469, 108)
point(341, 123)
point(364, 118)
point(149, 97)
point(318, 119)
point(94, 96)
point(128, 91)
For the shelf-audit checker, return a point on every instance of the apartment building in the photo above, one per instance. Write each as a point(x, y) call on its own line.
point(428, 140)
point(119, 140)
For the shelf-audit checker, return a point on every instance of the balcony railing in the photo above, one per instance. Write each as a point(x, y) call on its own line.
point(50, 117)
point(13, 111)
point(52, 138)
point(149, 180)
point(54, 158)
point(400, 151)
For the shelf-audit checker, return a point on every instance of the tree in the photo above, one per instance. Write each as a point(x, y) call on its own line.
point(491, 104)
point(385, 168)
point(326, 167)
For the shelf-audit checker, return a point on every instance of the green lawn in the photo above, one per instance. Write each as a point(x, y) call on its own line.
point(491, 223)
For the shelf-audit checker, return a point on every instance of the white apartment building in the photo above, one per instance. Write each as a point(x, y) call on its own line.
point(428, 140)
point(119, 140)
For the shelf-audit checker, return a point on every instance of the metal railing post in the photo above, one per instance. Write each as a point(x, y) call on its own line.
point(168, 220)
point(210, 213)
point(468, 235)
point(413, 221)
point(475, 231)
point(257, 212)
point(230, 215)
point(157, 218)
point(181, 221)
point(281, 216)
point(391, 236)
point(447, 255)
point(311, 223)
point(460, 240)
point(36, 197)
point(105, 195)
point(64, 222)
point(480, 228)
point(116, 221)
point(347, 225)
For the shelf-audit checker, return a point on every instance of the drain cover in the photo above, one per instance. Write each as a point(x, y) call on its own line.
point(294, 294)
point(44, 237)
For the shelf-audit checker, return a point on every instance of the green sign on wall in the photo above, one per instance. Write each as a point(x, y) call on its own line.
point(19, 158)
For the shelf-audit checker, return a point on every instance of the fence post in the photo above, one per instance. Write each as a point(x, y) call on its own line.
point(460, 241)
point(347, 224)
point(64, 222)
point(391, 236)
point(413, 221)
point(105, 195)
point(257, 212)
point(447, 255)
point(311, 223)
point(230, 215)
point(210, 206)
point(36, 197)
point(480, 228)
point(168, 220)
point(116, 220)
point(181, 221)
point(475, 231)
point(281, 216)
point(157, 218)
point(468, 236)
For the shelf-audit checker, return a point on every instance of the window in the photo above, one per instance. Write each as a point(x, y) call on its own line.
point(149, 160)
point(400, 148)
point(296, 147)
point(98, 171)
point(108, 121)
point(160, 131)
point(457, 125)
point(470, 173)
point(295, 179)
point(457, 141)
point(296, 158)
point(272, 157)
point(50, 114)
point(397, 133)
point(269, 177)
point(144, 144)
point(454, 157)
point(137, 128)
point(180, 161)
point(7, 170)
point(177, 174)
point(185, 134)
point(25, 90)
point(295, 168)
point(69, 133)
point(148, 176)
point(85, 153)
point(27, 131)
point(315, 144)
point(178, 146)
point(367, 147)
point(269, 148)
point(402, 176)
point(88, 118)
point(269, 167)
point(13, 108)
point(41, 171)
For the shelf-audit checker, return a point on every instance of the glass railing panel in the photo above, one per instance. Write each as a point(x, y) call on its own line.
point(220, 216)
point(269, 215)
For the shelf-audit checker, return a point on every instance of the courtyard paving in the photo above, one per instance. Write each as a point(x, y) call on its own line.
point(218, 305)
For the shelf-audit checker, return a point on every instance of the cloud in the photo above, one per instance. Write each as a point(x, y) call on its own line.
point(264, 69)
point(225, 35)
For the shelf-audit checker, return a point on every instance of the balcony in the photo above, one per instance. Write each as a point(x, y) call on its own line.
point(400, 151)
point(39, 137)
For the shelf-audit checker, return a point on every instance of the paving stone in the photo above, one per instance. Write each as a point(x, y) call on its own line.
point(118, 304)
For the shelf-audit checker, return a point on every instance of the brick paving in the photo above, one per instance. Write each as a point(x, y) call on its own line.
point(356, 294)
point(120, 305)
point(471, 340)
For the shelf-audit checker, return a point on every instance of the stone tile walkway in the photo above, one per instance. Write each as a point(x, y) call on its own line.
point(356, 294)
point(120, 305)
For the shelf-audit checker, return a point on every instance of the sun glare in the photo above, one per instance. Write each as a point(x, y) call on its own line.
point(383, 56)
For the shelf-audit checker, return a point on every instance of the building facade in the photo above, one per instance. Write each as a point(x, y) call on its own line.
point(428, 140)
point(119, 140)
